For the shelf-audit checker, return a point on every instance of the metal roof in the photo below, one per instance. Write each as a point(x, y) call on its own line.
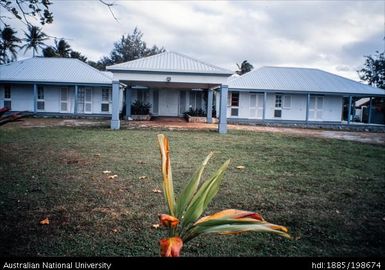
point(170, 62)
point(300, 80)
point(52, 70)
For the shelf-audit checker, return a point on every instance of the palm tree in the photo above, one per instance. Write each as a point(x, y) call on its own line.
point(63, 49)
point(34, 39)
point(8, 43)
point(244, 67)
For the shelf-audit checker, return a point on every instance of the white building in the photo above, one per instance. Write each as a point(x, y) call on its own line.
point(173, 83)
point(50, 85)
point(292, 95)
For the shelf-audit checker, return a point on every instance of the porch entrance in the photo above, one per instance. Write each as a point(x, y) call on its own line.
point(168, 102)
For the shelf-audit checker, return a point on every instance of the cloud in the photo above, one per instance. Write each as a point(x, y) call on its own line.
point(331, 35)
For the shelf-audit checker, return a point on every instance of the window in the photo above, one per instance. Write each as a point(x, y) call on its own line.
point(7, 97)
point(278, 101)
point(316, 108)
point(256, 105)
point(64, 99)
point(278, 106)
point(7, 92)
point(40, 104)
point(84, 100)
point(106, 100)
point(286, 102)
point(278, 113)
point(233, 103)
point(105, 107)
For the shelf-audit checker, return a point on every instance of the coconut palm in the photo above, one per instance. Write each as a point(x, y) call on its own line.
point(244, 67)
point(8, 44)
point(63, 49)
point(34, 39)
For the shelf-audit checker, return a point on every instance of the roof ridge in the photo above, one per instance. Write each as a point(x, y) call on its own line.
point(173, 53)
point(199, 61)
point(135, 60)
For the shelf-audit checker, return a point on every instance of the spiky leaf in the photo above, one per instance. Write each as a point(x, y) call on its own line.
point(168, 187)
point(191, 188)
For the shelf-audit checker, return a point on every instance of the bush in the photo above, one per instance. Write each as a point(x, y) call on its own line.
point(140, 108)
point(196, 112)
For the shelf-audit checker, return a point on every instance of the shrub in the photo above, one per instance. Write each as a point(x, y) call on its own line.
point(140, 108)
point(184, 220)
point(196, 112)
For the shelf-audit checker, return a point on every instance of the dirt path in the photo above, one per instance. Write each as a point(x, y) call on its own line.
point(364, 137)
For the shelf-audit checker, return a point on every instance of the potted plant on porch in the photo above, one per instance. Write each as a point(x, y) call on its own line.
point(199, 115)
point(140, 111)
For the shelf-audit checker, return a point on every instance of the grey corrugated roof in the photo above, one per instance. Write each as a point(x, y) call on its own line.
point(170, 62)
point(300, 80)
point(52, 70)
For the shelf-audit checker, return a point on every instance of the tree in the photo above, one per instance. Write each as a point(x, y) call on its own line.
point(78, 55)
point(244, 67)
point(373, 71)
point(24, 10)
point(63, 49)
point(50, 52)
point(8, 45)
point(35, 39)
point(129, 48)
point(27, 10)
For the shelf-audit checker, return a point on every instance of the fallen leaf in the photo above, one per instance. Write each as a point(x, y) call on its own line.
point(141, 162)
point(142, 177)
point(106, 172)
point(44, 221)
point(240, 167)
point(156, 191)
point(73, 161)
point(156, 226)
point(337, 211)
point(112, 176)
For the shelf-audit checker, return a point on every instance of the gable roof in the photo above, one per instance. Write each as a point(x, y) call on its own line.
point(52, 70)
point(170, 62)
point(300, 80)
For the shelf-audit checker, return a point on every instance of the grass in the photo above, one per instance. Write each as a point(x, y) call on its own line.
point(329, 193)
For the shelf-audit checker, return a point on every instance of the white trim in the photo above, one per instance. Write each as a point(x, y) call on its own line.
point(108, 101)
point(230, 106)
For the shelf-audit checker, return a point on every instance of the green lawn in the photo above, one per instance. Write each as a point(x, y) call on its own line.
point(329, 193)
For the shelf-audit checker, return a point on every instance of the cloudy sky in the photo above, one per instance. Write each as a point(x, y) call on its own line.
point(330, 35)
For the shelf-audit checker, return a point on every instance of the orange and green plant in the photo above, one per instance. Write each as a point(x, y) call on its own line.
point(183, 219)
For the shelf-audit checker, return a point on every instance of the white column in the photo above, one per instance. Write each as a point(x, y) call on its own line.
point(222, 125)
point(35, 98)
point(350, 109)
point(209, 106)
point(307, 107)
point(115, 122)
point(76, 99)
point(370, 111)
